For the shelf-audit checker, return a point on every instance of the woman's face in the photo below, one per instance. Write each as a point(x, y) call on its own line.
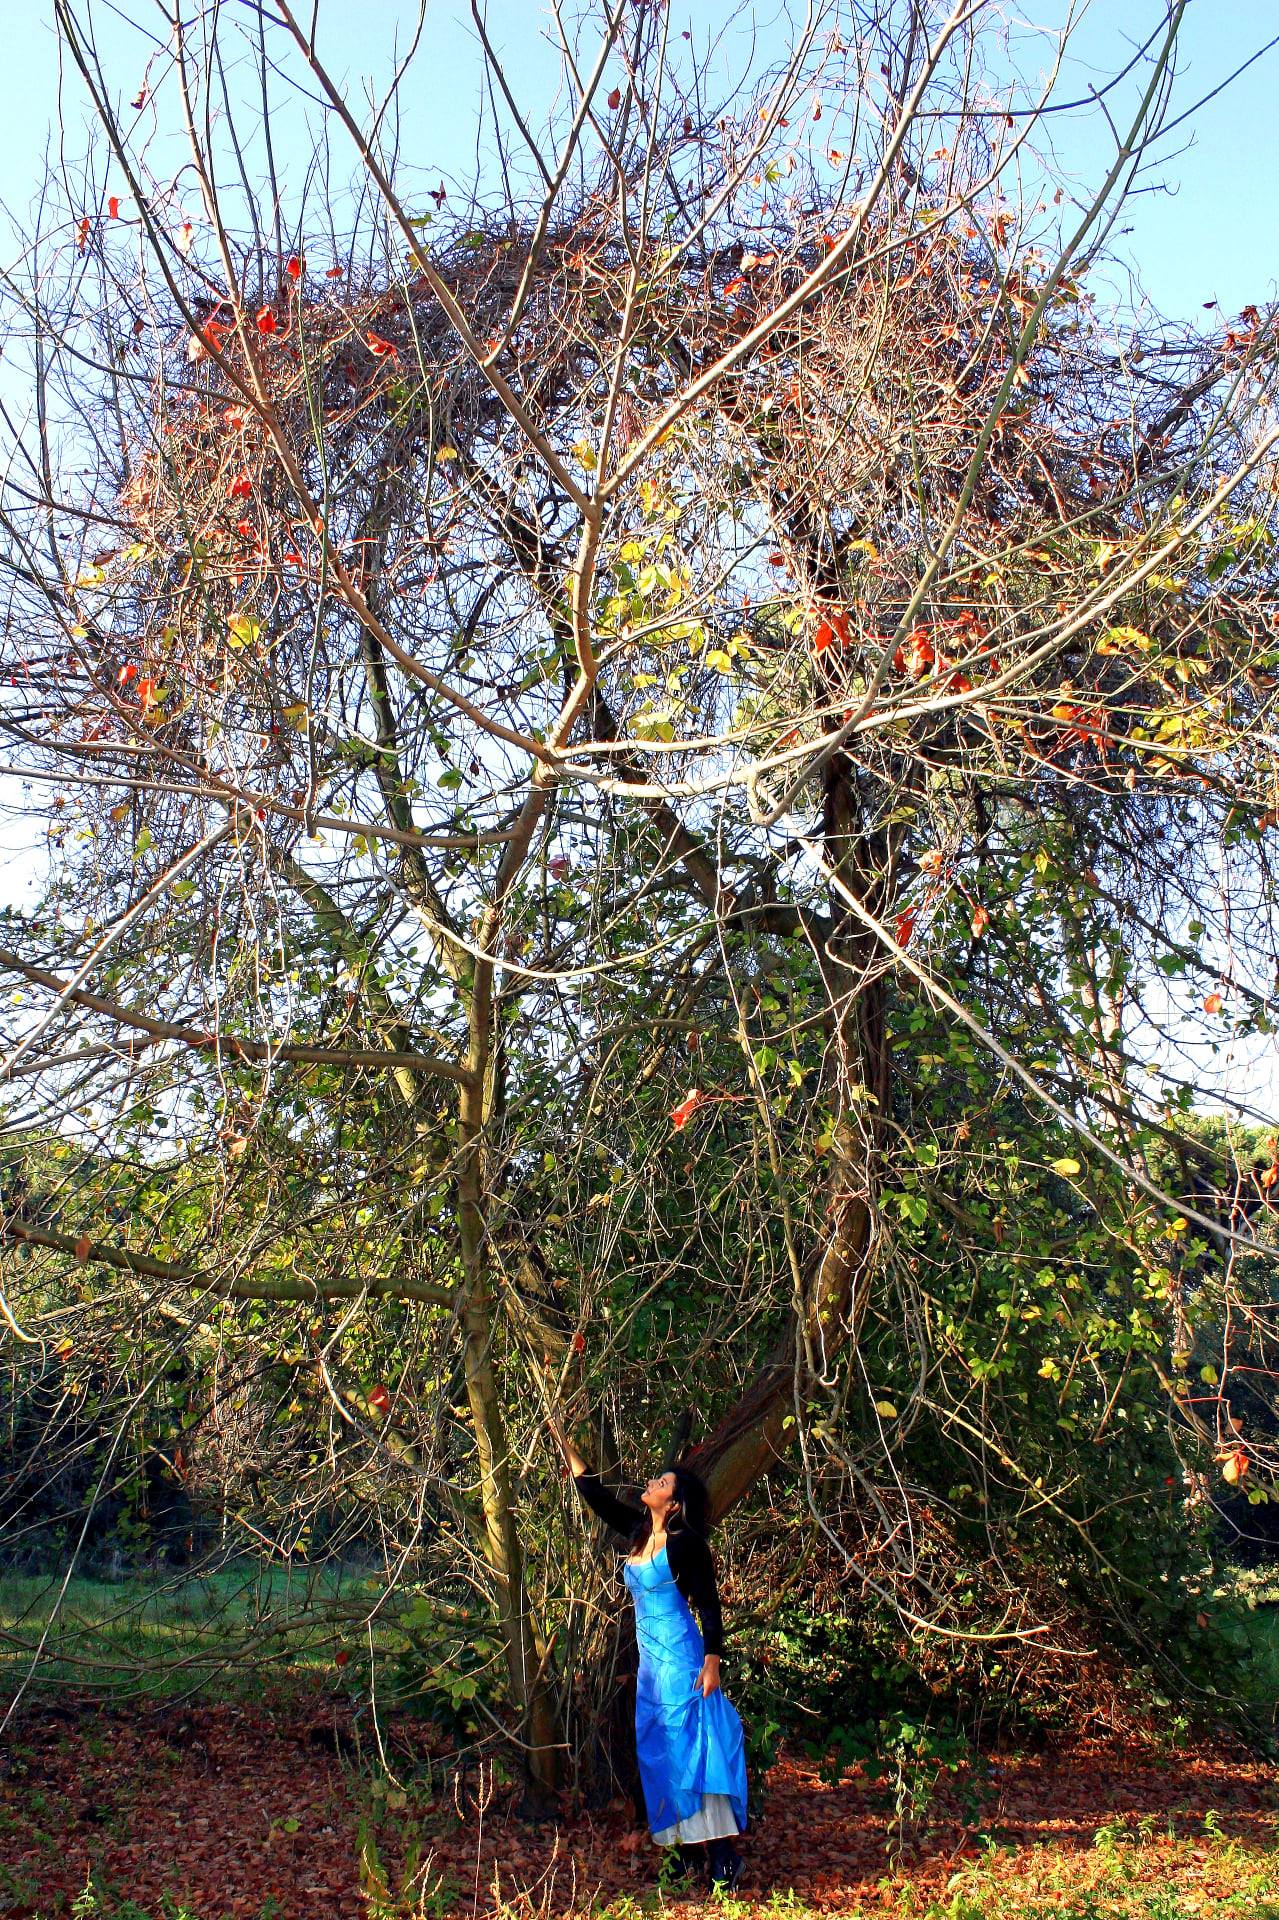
point(659, 1493)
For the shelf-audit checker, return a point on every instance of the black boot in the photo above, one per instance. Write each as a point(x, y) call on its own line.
point(681, 1864)
point(725, 1864)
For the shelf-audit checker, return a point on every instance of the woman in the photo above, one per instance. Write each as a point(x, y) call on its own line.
point(688, 1737)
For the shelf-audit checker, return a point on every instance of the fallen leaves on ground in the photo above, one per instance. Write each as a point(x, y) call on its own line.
point(230, 1809)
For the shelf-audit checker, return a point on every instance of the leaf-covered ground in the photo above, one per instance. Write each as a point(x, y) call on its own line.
point(226, 1810)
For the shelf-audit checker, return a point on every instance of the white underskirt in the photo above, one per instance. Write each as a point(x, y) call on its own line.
point(713, 1820)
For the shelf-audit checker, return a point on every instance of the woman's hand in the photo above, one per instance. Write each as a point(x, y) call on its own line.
point(708, 1678)
point(570, 1452)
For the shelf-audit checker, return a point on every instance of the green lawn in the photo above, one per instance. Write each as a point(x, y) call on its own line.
point(172, 1635)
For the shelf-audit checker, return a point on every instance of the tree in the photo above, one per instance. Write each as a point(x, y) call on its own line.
point(550, 706)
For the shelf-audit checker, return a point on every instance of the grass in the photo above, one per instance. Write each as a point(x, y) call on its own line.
point(175, 1635)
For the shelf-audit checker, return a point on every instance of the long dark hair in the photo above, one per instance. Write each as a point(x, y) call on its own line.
point(693, 1514)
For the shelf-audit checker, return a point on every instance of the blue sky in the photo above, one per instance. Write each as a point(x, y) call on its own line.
point(1206, 227)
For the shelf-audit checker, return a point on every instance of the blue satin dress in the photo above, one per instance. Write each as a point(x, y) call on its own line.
point(691, 1748)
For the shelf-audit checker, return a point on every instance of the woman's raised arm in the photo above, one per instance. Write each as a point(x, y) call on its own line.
point(614, 1512)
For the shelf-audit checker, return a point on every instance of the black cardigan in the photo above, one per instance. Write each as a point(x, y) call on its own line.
point(687, 1556)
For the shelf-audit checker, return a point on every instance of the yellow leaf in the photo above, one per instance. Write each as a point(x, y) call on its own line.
point(1065, 1166)
point(242, 631)
point(1119, 639)
point(886, 1410)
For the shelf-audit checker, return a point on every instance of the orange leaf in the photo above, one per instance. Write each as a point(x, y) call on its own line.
point(981, 920)
point(1212, 1003)
point(687, 1107)
point(579, 1343)
point(380, 347)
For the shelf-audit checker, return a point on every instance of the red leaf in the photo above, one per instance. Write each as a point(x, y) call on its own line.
point(146, 694)
point(683, 1113)
point(557, 867)
point(335, 273)
point(981, 920)
point(379, 347)
point(579, 1343)
point(139, 99)
point(920, 653)
point(83, 1248)
point(615, 99)
point(241, 487)
point(341, 1657)
point(113, 207)
point(1212, 1003)
point(82, 236)
point(127, 673)
point(380, 1399)
point(266, 320)
point(832, 627)
point(905, 927)
point(293, 267)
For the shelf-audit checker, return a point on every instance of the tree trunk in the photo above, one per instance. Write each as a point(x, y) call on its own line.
point(524, 1658)
point(752, 1436)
